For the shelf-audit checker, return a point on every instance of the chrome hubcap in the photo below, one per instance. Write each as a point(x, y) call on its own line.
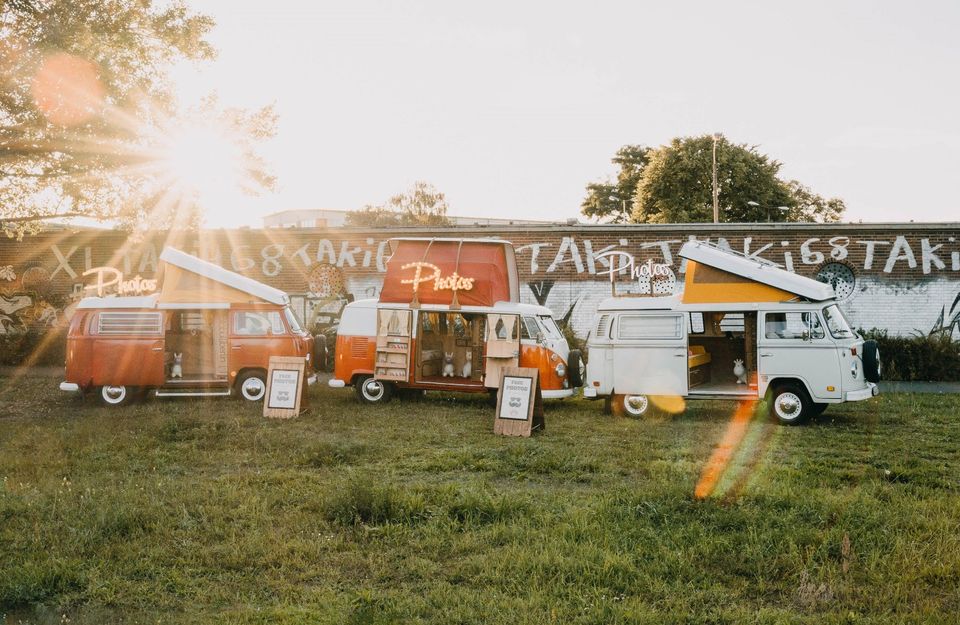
point(373, 390)
point(636, 404)
point(114, 394)
point(253, 389)
point(788, 406)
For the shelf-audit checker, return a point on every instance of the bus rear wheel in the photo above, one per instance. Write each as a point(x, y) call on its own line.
point(372, 391)
point(115, 395)
point(631, 406)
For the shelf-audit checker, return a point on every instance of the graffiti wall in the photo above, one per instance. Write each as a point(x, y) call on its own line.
point(898, 277)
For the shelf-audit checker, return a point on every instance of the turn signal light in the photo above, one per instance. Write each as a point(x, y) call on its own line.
point(831, 388)
point(596, 383)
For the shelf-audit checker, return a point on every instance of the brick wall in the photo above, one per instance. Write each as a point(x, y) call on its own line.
point(903, 277)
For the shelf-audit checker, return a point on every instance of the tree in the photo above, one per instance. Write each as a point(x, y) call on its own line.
point(674, 184)
point(612, 202)
point(422, 205)
point(87, 112)
point(808, 206)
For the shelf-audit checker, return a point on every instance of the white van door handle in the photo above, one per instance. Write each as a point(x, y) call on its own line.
point(235, 347)
point(156, 349)
point(765, 355)
point(679, 355)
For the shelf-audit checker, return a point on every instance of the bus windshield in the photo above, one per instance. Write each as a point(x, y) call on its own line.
point(837, 323)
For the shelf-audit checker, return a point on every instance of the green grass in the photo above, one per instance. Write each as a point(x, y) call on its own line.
point(200, 511)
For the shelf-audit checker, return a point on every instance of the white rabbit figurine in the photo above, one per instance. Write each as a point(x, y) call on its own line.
point(468, 365)
point(176, 371)
point(447, 365)
point(739, 371)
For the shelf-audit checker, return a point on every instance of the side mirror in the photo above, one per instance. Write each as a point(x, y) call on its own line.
point(539, 337)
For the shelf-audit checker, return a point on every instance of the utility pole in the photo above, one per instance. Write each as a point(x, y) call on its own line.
point(716, 201)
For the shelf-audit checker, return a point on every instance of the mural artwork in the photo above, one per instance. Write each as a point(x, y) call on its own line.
point(567, 269)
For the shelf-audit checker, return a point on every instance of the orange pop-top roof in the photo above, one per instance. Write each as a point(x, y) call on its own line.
point(480, 271)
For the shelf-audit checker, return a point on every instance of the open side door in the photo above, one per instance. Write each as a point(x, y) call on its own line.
point(392, 362)
point(503, 346)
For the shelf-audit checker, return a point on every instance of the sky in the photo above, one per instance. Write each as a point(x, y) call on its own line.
point(511, 108)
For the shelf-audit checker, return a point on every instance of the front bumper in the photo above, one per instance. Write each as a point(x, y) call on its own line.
point(312, 380)
point(335, 383)
point(69, 387)
point(872, 390)
point(559, 394)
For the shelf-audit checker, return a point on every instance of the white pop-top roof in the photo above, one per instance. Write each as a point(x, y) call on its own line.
point(754, 268)
point(499, 307)
point(675, 303)
point(141, 301)
point(224, 276)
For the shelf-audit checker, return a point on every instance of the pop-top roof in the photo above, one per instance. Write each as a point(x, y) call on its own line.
point(482, 272)
point(736, 269)
point(181, 286)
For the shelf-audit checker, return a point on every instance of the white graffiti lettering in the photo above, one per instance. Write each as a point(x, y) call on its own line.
point(901, 250)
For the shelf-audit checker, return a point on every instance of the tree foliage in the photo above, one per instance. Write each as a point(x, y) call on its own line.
point(86, 109)
point(422, 205)
point(674, 184)
point(613, 201)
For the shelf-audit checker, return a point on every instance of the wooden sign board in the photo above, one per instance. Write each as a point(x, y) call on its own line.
point(519, 402)
point(286, 395)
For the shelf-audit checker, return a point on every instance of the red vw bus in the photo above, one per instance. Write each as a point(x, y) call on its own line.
point(208, 332)
point(449, 319)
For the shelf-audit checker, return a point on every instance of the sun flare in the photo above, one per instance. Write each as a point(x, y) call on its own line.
point(203, 161)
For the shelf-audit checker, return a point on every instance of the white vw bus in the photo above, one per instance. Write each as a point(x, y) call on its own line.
point(742, 329)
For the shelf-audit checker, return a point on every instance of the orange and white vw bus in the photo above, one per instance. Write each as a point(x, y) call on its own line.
point(209, 331)
point(449, 319)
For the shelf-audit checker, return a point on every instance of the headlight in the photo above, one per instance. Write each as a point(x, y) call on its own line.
point(561, 370)
point(854, 368)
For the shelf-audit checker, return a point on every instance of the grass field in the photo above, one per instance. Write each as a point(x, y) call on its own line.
point(202, 511)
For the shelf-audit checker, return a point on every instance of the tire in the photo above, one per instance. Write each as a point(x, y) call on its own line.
point(575, 368)
point(252, 386)
point(636, 406)
point(319, 353)
point(372, 391)
point(789, 404)
point(871, 361)
point(492, 397)
point(114, 396)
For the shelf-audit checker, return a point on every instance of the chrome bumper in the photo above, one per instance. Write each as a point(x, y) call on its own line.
point(312, 380)
point(335, 383)
point(69, 387)
point(872, 390)
point(566, 392)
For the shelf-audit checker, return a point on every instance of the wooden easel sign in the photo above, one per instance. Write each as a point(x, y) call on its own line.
point(519, 402)
point(286, 395)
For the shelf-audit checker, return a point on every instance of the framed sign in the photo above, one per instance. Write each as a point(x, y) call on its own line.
point(519, 402)
point(286, 385)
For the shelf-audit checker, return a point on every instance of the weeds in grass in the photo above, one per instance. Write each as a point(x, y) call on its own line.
point(332, 454)
point(361, 501)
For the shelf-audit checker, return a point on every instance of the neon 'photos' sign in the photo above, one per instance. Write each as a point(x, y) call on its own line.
point(647, 274)
point(110, 280)
point(453, 282)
